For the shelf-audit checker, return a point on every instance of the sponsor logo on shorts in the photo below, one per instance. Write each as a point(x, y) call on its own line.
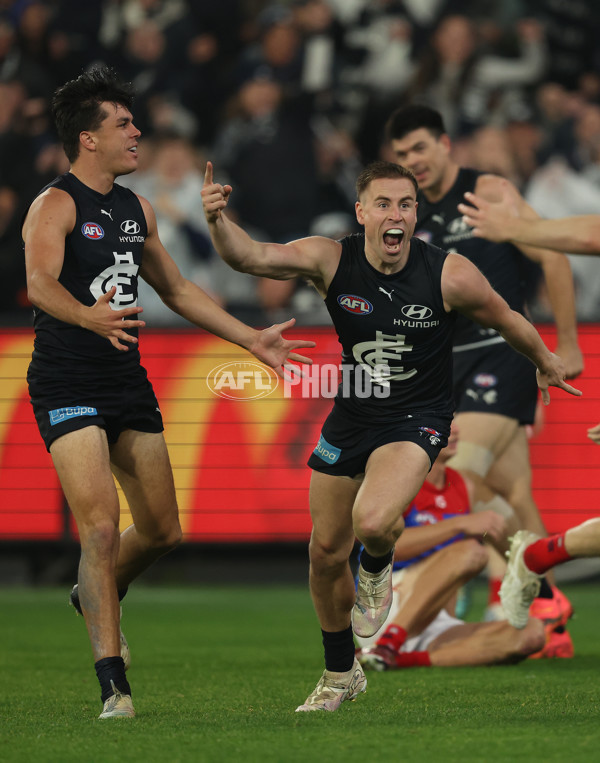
point(329, 453)
point(488, 396)
point(355, 305)
point(435, 437)
point(59, 415)
point(92, 231)
point(485, 380)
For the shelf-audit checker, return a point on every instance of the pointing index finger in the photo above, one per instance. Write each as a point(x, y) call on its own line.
point(208, 174)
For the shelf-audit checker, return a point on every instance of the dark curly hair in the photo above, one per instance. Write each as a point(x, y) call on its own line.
point(76, 105)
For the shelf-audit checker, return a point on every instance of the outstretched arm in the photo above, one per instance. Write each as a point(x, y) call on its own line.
point(501, 221)
point(190, 301)
point(465, 289)
point(315, 257)
point(555, 266)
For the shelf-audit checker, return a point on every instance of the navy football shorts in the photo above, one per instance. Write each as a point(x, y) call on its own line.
point(346, 443)
point(495, 379)
point(114, 404)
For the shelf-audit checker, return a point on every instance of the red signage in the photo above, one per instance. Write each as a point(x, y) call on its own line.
point(239, 441)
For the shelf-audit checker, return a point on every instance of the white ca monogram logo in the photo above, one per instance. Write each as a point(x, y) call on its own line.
point(378, 355)
point(122, 275)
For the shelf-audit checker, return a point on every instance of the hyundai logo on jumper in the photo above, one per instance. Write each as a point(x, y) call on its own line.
point(130, 227)
point(329, 380)
point(327, 452)
point(242, 380)
point(355, 305)
point(62, 414)
point(92, 230)
point(417, 312)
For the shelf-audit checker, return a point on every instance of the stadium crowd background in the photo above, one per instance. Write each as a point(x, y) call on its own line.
point(289, 100)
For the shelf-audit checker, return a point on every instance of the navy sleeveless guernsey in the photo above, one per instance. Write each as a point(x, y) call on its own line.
point(441, 224)
point(393, 329)
point(103, 250)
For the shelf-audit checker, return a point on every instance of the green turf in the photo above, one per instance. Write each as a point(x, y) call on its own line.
point(217, 674)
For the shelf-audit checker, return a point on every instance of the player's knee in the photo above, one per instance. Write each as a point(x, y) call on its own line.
point(373, 528)
point(166, 538)
point(472, 458)
point(326, 555)
point(100, 536)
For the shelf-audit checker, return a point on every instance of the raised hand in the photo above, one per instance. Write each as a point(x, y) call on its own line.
point(214, 195)
point(272, 349)
point(111, 324)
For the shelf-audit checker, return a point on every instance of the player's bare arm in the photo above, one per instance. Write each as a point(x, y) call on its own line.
point(190, 301)
point(501, 220)
point(315, 257)
point(50, 220)
point(555, 267)
point(417, 540)
point(465, 289)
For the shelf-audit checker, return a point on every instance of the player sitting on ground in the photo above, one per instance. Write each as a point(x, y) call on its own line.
point(439, 551)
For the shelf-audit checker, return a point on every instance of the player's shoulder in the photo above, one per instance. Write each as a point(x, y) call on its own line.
point(52, 203)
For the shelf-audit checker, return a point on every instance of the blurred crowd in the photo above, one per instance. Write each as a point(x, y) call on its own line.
point(289, 100)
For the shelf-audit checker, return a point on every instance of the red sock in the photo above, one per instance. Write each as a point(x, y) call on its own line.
point(393, 637)
point(546, 553)
point(494, 590)
point(413, 660)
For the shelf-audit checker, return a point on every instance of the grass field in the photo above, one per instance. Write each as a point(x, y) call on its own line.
point(217, 674)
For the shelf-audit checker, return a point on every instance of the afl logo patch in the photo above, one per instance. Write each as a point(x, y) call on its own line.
point(485, 380)
point(355, 305)
point(130, 227)
point(92, 230)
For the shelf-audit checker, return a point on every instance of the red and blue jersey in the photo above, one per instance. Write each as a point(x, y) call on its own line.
point(432, 506)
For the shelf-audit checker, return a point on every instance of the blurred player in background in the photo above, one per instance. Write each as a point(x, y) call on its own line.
point(530, 556)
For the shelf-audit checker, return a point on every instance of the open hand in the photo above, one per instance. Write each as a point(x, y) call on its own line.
point(272, 349)
point(111, 324)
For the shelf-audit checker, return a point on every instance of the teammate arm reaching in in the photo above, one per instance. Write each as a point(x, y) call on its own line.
point(466, 290)
point(502, 220)
point(555, 267)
